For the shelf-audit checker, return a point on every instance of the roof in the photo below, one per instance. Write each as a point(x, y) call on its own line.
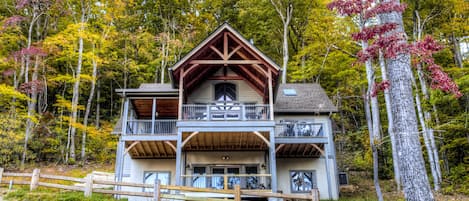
point(220, 29)
point(149, 89)
point(309, 98)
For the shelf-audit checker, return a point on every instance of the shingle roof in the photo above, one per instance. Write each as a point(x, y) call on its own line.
point(310, 98)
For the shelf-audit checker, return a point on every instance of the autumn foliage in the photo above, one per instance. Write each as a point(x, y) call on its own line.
point(383, 37)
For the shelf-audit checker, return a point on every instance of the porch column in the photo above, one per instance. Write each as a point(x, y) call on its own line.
point(328, 172)
point(121, 145)
point(181, 91)
point(153, 111)
point(271, 96)
point(178, 158)
point(272, 161)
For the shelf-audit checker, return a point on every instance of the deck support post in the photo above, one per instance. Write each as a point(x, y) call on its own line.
point(153, 115)
point(328, 174)
point(181, 91)
point(271, 96)
point(178, 159)
point(272, 161)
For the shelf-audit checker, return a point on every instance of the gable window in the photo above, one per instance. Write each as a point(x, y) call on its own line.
point(150, 177)
point(302, 181)
point(225, 92)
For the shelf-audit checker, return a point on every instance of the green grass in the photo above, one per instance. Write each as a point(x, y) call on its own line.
point(23, 194)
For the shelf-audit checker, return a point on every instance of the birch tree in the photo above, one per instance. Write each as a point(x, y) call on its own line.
point(285, 12)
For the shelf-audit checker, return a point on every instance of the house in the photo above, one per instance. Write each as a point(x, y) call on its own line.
point(225, 120)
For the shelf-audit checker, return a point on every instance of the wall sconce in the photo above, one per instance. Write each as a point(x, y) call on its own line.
point(225, 158)
point(263, 166)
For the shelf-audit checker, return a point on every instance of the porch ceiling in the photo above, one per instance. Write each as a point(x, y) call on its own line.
point(166, 108)
point(151, 149)
point(225, 141)
point(298, 150)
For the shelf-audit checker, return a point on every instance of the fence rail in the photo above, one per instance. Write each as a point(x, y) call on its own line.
point(149, 127)
point(225, 111)
point(174, 191)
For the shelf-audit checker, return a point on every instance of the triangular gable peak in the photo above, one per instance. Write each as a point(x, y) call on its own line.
point(225, 49)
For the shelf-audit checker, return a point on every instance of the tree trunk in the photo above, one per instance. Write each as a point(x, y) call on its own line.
point(456, 51)
point(88, 109)
point(387, 99)
point(76, 86)
point(411, 163)
point(98, 106)
point(286, 18)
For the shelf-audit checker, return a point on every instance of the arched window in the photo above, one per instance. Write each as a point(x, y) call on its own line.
point(225, 92)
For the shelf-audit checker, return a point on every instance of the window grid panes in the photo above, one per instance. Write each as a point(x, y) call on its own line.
point(302, 181)
point(150, 177)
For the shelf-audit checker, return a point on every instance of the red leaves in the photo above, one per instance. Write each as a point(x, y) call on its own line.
point(30, 87)
point(441, 81)
point(350, 7)
point(391, 45)
point(369, 33)
point(12, 21)
point(380, 87)
point(384, 7)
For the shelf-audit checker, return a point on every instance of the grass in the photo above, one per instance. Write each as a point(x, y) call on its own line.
point(23, 194)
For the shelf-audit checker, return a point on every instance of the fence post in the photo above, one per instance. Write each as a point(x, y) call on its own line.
point(89, 185)
point(34, 179)
point(156, 190)
point(1, 173)
point(237, 195)
point(315, 194)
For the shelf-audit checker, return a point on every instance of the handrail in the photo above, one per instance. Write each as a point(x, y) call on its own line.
point(228, 111)
point(299, 129)
point(160, 127)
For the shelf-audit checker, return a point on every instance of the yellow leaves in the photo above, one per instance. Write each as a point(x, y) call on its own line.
point(7, 93)
point(61, 102)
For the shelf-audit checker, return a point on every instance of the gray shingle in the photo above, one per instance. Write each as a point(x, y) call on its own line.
point(310, 98)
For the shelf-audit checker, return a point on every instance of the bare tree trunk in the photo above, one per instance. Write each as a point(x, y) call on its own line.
point(88, 109)
point(456, 50)
point(98, 106)
point(76, 86)
point(387, 99)
point(411, 163)
point(286, 18)
point(372, 119)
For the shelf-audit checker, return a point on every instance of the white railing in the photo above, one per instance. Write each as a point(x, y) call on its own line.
point(228, 181)
point(228, 111)
point(299, 130)
point(148, 127)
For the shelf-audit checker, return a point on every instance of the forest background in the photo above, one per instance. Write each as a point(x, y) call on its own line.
point(61, 60)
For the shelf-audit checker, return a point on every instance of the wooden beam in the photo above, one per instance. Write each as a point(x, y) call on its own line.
point(196, 79)
point(188, 70)
point(170, 145)
point(130, 147)
point(231, 62)
point(188, 138)
point(234, 51)
point(242, 55)
point(252, 76)
point(319, 149)
point(181, 86)
point(218, 52)
point(262, 138)
point(279, 147)
point(271, 96)
point(225, 46)
point(226, 78)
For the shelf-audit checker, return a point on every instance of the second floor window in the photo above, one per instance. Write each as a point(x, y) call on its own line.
point(225, 92)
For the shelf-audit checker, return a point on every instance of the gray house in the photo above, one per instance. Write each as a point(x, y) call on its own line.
point(225, 120)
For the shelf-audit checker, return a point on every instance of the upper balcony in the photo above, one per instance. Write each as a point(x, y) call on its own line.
point(222, 111)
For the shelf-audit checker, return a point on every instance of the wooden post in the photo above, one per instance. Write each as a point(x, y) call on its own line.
point(237, 195)
point(156, 190)
point(225, 182)
point(34, 179)
point(1, 173)
point(89, 185)
point(315, 194)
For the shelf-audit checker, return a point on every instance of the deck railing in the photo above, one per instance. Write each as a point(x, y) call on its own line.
point(229, 111)
point(147, 127)
point(299, 130)
point(228, 181)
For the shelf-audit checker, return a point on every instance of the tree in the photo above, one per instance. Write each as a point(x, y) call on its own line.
point(285, 11)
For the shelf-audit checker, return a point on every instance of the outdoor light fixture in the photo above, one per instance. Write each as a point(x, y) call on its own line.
point(225, 158)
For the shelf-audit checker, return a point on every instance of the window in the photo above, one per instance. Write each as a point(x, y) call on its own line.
point(150, 177)
point(289, 92)
point(225, 92)
point(199, 178)
point(302, 181)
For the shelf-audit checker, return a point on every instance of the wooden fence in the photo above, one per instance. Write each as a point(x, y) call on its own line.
point(170, 192)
